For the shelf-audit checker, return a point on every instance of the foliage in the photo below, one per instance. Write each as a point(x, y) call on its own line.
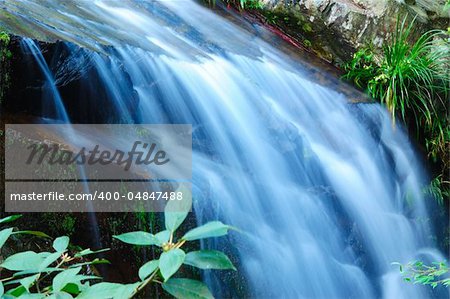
point(413, 81)
point(437, 191)
point(419, 273)
point(63, 273)
point(172, 256)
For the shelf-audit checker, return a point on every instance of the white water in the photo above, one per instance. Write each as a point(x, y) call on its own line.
point(328, 194)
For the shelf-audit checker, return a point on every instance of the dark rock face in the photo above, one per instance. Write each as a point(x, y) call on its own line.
point(333, 29)
point(28, 90)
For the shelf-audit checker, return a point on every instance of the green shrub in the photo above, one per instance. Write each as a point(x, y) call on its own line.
point(419, 273)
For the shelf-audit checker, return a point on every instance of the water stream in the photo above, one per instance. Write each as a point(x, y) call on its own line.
point(327, 193)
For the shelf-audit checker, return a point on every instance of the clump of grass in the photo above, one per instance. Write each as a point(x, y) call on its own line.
point(412, 80)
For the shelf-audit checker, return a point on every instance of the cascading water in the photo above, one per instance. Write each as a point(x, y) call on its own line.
point(52, 94)
point(327, 194)
point(52, 99)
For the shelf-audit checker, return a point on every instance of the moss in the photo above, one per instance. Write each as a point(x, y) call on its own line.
point(304, 30)
point(5, 57)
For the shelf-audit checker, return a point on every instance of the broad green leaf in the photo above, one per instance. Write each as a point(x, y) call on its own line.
point(208, 230)
point(4, 235)
point(138, 238)
point(101, 290)
point(50, 259)
point(10, 218)
point(176, 211)
point(2, 289)
point(107, 290)
point(209, 259)
point(27, 260)
point(184, 288)
point(89, 251)
point(32, 232)
point(63, 278)
point(27, 282)
point(170, 262)
point(163, 237)
point(148, 269)
point(60, 244)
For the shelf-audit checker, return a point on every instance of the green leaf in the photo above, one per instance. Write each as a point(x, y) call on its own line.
point(208, 230)
point(60, 244)
point(163, 237)
point(10, 218)
point(170, 262)
point(72, 288)
point(2, 289)
point(176, 211)
point(126, 291)
point(107, 290)
point(89, 251)
point(21, 261)
point(209, 259)
point(4, 235)
point(138, 238)
point(184, 288)
point(27, 282)
point(148, 269)
point(63, 278)
point(32, 232)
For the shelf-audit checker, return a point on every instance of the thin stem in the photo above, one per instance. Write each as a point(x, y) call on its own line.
point(180, 243)
point(145, 283)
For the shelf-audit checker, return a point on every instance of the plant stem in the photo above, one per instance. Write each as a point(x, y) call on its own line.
point(145, 283)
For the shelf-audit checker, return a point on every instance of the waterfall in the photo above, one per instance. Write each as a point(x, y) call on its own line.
point(326, 194)
point(52, 99)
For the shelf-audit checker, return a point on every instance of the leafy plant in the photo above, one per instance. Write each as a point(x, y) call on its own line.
point(419, 273)
point(172, 256)
point(31, 272)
